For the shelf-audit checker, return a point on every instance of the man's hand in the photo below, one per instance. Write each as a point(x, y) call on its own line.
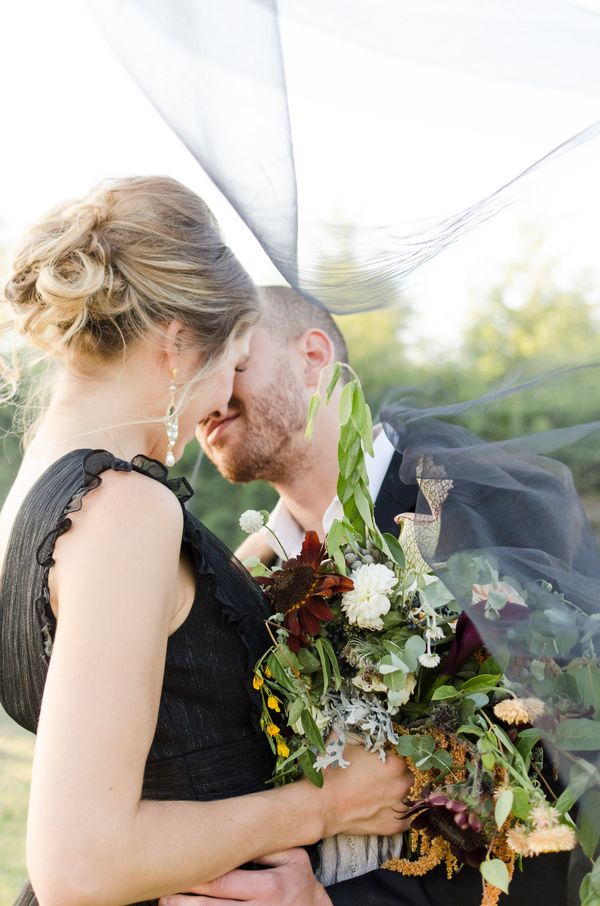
point(289, 880)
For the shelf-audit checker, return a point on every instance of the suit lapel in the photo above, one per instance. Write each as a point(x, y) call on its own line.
point(394, 497)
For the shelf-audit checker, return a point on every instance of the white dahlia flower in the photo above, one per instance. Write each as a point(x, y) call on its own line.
point(368, 601)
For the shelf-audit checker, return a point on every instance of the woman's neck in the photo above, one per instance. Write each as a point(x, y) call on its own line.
point(117, 414)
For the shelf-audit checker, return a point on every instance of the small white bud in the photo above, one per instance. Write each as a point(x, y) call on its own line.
point(251, 521)
point(429, 660)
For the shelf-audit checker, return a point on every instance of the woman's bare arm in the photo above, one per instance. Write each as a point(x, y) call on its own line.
point(91, 839)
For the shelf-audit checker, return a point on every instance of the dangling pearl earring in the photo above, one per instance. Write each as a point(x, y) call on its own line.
point(172, 422)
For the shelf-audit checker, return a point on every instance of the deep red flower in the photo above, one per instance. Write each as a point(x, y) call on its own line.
point(301, 590)
point(466, 636)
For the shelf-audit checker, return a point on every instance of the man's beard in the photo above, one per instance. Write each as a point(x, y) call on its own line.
point(271, 446)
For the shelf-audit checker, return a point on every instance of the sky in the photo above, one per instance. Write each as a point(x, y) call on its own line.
point(71, 116)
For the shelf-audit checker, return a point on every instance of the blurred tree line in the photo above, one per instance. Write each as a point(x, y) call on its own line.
point(526, 325)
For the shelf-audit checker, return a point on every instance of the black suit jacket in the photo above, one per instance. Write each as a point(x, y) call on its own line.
point(543, 879)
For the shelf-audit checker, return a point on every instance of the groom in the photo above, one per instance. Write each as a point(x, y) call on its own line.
point(262, 437)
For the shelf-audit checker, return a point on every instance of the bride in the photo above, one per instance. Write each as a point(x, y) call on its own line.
point(127, 631)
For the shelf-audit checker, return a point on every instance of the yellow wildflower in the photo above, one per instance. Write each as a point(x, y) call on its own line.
point(272, 730)
point(282, 749)
point(258, 681)
point(268, 673)
point(273, 703)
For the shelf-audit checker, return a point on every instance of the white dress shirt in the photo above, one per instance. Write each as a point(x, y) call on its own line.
point(291, 534)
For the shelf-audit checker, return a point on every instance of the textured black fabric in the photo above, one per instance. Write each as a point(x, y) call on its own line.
point(207, 743)
point(544, 880)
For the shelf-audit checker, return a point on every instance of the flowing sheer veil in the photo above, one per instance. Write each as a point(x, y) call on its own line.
point(284, 102)
point(513, 526)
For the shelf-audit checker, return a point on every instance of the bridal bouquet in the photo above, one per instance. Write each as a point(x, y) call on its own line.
point(369, 645)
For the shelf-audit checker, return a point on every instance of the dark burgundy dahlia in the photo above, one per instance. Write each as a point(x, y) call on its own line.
point(302, 590)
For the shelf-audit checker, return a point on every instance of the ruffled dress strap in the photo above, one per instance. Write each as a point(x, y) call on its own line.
point(27, 623)
point(95, 462)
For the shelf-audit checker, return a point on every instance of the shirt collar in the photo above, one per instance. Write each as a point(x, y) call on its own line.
point(290, 533)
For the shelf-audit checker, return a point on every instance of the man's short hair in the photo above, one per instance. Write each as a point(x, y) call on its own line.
point(289, 315)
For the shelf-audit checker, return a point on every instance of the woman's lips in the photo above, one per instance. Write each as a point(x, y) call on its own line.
point(217, 431)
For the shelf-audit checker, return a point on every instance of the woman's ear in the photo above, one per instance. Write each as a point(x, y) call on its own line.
point(318, 351)
point(172, 344)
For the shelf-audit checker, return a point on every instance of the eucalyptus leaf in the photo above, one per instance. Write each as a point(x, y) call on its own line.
point(582, 775)
point(416, 746)
point(489, 666)
point(480, 699)
point(336, 372)
point(295, 711)
point(589, 891)
point(392, 664)
point(503, 807)
point(495, 873)
point(309, 661)
point(470, 730)
point(577, 735)
point(364, 506)
point(587, 677)
point(340, 562)
point(538, 669)
point(520, 806)
point(368, 435)
point(395, 681)
point(483, 682)
point(307, 761)
point(415, 645)
point(526, 741)
point(588, 822)
point(436, 594)
point(444, 692)
point(395, 550)
point(440, 761)
point(346, 402)
point(313, 408)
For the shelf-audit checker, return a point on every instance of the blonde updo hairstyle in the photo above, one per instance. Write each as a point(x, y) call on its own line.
point(98, 274)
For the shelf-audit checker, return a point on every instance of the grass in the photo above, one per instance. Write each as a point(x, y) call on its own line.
point(16, 750)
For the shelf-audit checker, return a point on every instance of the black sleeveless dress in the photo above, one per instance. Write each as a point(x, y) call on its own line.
point(208, 743)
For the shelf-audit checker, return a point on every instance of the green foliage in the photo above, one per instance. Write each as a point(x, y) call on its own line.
point(589, 892)
point(495, 873)
point(216, 502)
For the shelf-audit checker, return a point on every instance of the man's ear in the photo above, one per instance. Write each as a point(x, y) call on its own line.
point(318, 351)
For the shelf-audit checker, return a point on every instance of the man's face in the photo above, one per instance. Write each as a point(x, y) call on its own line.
point(262, 433)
